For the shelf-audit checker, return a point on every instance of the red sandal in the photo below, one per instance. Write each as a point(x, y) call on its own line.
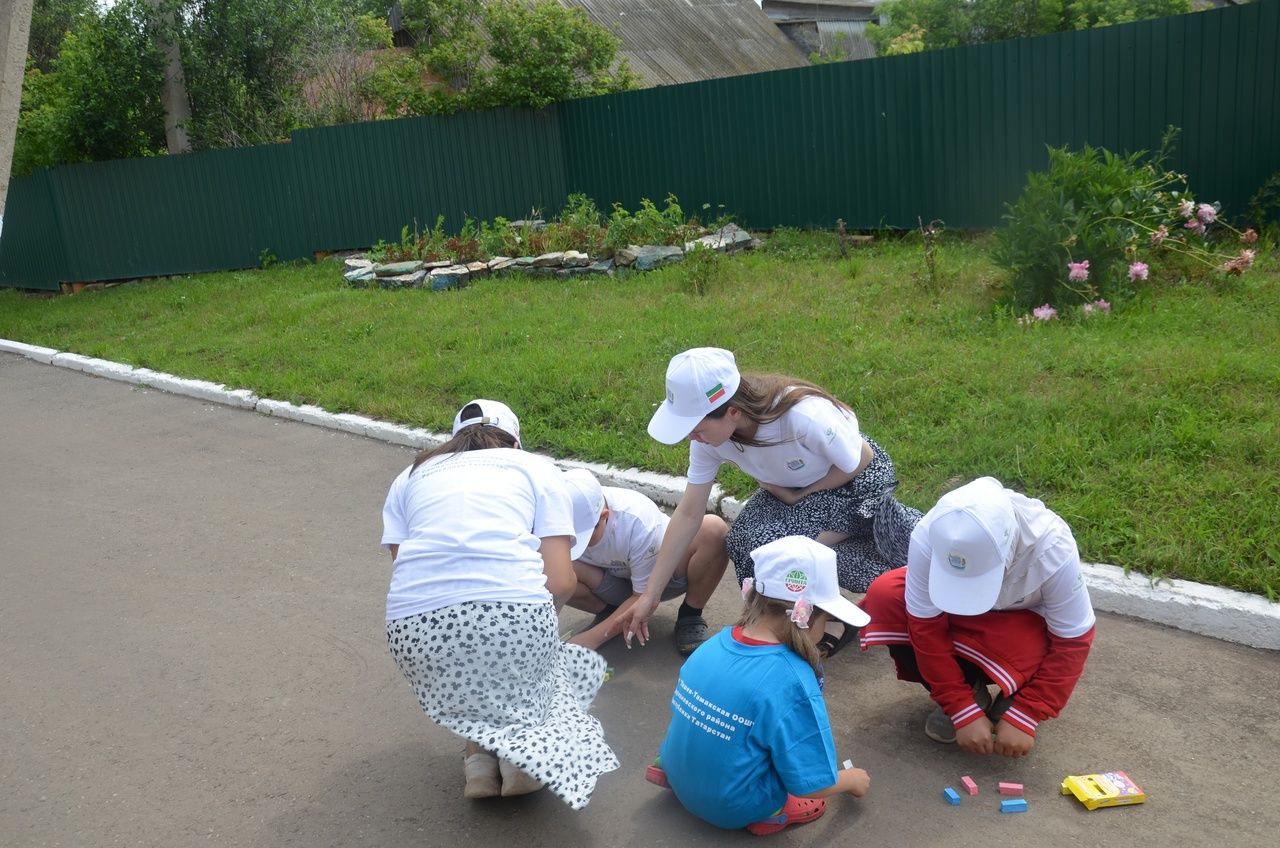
point(655, 775)
point(795, 811)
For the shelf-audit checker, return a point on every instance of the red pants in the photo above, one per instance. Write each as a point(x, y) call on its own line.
point(1007, 646)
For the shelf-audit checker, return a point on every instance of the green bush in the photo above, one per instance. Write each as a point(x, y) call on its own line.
point(649, 225)
point(1096, 224)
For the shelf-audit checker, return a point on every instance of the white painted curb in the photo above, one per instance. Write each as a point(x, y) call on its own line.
point(1207, 610)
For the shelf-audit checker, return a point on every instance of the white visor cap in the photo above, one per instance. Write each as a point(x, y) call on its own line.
point(699, 381)
point(493, 414)
point(588, 501)
point(796, 567)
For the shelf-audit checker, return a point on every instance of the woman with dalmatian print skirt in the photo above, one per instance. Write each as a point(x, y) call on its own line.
point(819, 475)
point(480, 534)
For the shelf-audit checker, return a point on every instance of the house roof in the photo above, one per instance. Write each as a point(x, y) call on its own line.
point(675, 41)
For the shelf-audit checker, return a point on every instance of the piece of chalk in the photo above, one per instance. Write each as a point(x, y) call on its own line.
point(847, 764)
point(969, 784)
point(1010, 788)
point(952, 796)
point(1013, 805)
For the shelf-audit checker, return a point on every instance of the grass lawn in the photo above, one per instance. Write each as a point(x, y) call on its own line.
point(1153, 430)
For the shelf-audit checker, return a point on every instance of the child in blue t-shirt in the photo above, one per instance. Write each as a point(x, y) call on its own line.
point(749, 744)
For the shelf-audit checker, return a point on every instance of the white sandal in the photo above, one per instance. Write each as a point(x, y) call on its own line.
point(515, 781)
point(481, 771)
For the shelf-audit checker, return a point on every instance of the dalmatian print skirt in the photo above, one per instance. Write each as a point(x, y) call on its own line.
point(498, 675)
point(879, 527)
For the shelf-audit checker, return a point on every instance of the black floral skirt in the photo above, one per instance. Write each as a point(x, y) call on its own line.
point(498, 675)
point(879, 527)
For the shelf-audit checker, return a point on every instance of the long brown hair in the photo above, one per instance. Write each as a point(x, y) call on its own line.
point(767, 397)
point(469, 438)
point(776, 617)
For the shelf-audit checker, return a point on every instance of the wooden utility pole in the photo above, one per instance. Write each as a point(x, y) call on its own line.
point(15, 30)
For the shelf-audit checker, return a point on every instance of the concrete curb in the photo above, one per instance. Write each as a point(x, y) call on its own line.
point(1207, 610)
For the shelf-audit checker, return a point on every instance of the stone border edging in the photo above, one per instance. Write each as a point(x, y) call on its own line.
point(1208, 610)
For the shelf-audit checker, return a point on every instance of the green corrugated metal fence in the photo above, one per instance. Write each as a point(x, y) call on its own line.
point(948, 134)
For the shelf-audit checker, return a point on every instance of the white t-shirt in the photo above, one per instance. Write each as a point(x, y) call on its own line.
point(469, 526)
point(1044, 575)
point(632, 536)
point(804, 443)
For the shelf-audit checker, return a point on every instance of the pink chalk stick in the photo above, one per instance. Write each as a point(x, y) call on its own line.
point(1010, 788)
point(969, 784)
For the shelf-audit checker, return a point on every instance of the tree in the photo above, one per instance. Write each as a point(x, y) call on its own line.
point(547, 52)
point(50, 21)
point(952, 23)
point(173, 95)
point(242, 59)
point(102, 98)
point(473, 55)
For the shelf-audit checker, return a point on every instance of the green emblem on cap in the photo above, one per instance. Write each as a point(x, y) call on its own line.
point(795, 580)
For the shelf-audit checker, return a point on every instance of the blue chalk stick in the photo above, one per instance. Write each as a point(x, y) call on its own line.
point(952, 796)
point(1013, 805)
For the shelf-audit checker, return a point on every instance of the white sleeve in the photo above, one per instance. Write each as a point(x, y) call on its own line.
point(919, 553)
point(642, 549)
point(831, 432)
point(1068, 612)
point(395, 528)
point(553, 509)
point(703, 463)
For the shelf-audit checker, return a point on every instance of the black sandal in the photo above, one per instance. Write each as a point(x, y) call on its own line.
point(828, 646)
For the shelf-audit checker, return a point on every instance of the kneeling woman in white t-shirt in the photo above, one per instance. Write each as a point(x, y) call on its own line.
point(479, 533)
point(819, 475)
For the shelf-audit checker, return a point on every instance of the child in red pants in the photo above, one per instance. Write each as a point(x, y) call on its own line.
point(992, 594)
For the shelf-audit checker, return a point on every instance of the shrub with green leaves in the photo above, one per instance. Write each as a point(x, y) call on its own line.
point(649, 225)
point(1095, 224)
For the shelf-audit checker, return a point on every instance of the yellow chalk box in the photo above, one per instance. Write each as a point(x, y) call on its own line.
point(1109, 789)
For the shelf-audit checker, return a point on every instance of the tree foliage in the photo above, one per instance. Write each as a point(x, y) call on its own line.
point(474, 55)
point(50, 21)
point(101, 100)
point(953, 23)
point(257, 69)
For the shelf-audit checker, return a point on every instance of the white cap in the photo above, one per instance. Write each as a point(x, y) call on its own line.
point(971, 531)
point(493, 413)
point(796, 567)
point(588, 501)
point(699, 381)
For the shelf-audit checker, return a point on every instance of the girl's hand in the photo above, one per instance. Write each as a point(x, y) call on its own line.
point(635, 623)
point(855, 781)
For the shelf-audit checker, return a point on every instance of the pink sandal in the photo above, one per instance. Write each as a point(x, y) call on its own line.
point(655, 775)
point(795, 811)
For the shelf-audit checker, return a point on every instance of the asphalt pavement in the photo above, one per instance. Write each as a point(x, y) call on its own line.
point(192, 652)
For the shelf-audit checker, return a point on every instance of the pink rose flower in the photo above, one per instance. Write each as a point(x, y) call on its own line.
point(1247, 257)
point(1045, 313)
point(1206, 213)
point(1196, 226)
point(1249, 236)
point(1102, 306)
point(1138, 271)
point(1078, 272)
point(1087, 309)
point(1161, 233)
point(1186, 208)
